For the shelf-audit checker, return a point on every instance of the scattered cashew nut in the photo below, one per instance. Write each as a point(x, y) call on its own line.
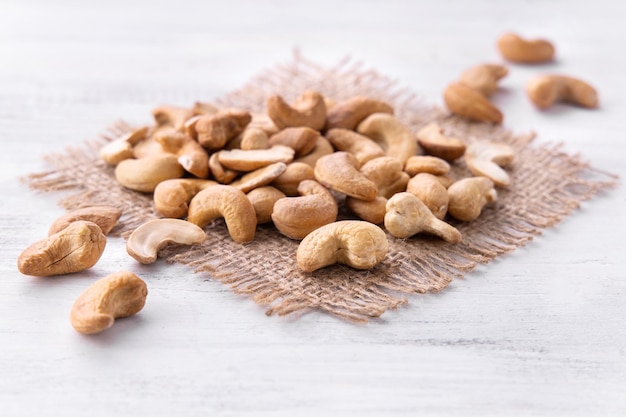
point(515, 48)
point(122, 148)
point(308, 110)
point(468, 197)
point(484, 78)
point(435, 143)
point(470, 104)
point(545, 90)
point(172, 197)
point(146, 173)
point(487, 159)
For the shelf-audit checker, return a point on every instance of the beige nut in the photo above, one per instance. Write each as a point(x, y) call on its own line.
point(145, 241)
point(264, 122)
point(216, 129)
point(362, 147)
point(386, 172)
point(172, 197)
point(146, 173)
point(301, 139)
point(203, 107)
point(295, 217)
point(122, 148)
point(372, 211)
point(263, 200)
point(259, 177)
point(470, 104)
point(429, 189)
point(219, 172)
point(469, 196)
point(105, 217)
point(191, 155)
point(434, 143)
point(189, 128)
point(407, 216)
point(393, 136)
point(173, 116)
point(358, 244)
point(487, 159)
point(426, 163)
point(340, 172)
point(484, 78)
point(76, 248)
point(515, 48)
point(545, 90)
point(115, 296)
point(294, 174)
point(227, 202)
point(245, 161)
point(253, 138)
point(348, 114)
point(308, 110)
point(322, 147)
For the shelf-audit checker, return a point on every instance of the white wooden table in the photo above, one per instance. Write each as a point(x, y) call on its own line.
point(540, 332)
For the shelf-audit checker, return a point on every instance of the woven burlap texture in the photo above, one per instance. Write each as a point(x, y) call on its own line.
point(546, 185)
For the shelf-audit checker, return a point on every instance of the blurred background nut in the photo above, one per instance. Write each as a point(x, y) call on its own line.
point(122, 148)
point(470, 104)
point(172, 116)
point(349, 113)
point(308, 110)
point(487, 158)
point(469, 196)
point(545, 90)
point(517, 49)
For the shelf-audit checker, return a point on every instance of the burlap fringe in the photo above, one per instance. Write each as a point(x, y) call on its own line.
point(547, 185)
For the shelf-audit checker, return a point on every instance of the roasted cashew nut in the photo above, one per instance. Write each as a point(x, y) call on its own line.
point(515, 48)
point(245, 161)
point(191, 155)
point(427, 164)
point(362, 147)
point(484, 78)
point(263, 200)
point(545, 90)
point(468, 197)
point(339, 171)
point(215, 130)
point(435, 143)
point(433, 194)
point(470, 104)
point(301, 139)
point(486, 159)
point(348, 114)
point(395, 138)
point(172, 116)
point(146, 173)
point(309, 110)
point(386, 172)
point(122, 148)
point(172, 197)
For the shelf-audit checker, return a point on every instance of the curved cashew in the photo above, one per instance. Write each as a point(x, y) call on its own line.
point(308, 110)
point(395, 138)
point(407, 216)
point(425, 163)
point(172, 116)
point(339, 171)
point(146, 173)
point(263, 200)
point(294, 174)
point(240, 160)
point(386, 172)
point(545, 90)
point(295, 217)
point(118, 295)
point(322, 147)
point(433, 141)
point(516, 49)
point(105, 217)
point(122, 148)
point(484, 78)
point(470, 104)
point(372, 211)
point(217, 129)
point(468, 197)
point(355, 243)
point(259, 177)
point(221, 174)
point(362, 147)
point(348, 114)
point(172, 197)
point(227, 202)
point(146, 240)
point(487, 158)
point(429, 189)
point(301, 139)
point(191, 155)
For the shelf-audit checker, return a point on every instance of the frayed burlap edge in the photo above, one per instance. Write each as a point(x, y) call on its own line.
point(547, 185)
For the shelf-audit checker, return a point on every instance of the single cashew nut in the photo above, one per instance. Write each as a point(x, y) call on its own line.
point(301, 139)
point(434, 143)
point(348, 114)
point(172, 116)
point(309, 110)
point(221, 174)
point(484, 78)
point(253, 138)
point(407, 216)
point(386, 172)
point(146, 173)
point(470, 104)
point(105, 217)
point(146, 240)
point(359, 244)
point(296, 217)
point(372, 211)
point(118, 295)
point(429, 189)
point(426, 163)
point(486, 159)
point(259, 177)
point(76, 248)
point(227, 202)
point(362, 147)
point(172, 197)
point(122, 148)
point(339, 171)
point(516, 49)
point(395, 138)
point(468, 197)
point(191, 155)
point(214, 130)
point(545, 90)
point(322, 147)
point(294, 174)
point(263, 200)
point(240, 160)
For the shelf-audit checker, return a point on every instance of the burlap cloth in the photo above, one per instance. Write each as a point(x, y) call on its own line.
point(547, 184)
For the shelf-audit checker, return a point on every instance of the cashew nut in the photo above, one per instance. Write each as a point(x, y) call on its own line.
point(484, 78)
point(118, 295)
point(545, 90)
point(468, 197)
point(76, 248)
point(339, 171)
point(122, 148)
point(221, 174)
point(486, 159)
point(172, 116)
point(348, 114)
point(263, 200)
point(202, 107)
point(227, 202)
point(516, 49)
point(172, 197)
point(433, 141)
point(470, 104)
point(295, 173)
point(355, 243)
point(253, 138)
point(146, 173)
point(217, 129)
point(407, 216)
point(322, 147)
point(386, 172)
point(240, 160)
point(295, 217)
point(395, 138)
point(191, 155)
point(301, 139)
point(146, 240)
point(259, 177)
point(372, 211)
point(425, 163)
point(362, 147)
point(308, 110)
point(105, 217)
point(429, 189)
